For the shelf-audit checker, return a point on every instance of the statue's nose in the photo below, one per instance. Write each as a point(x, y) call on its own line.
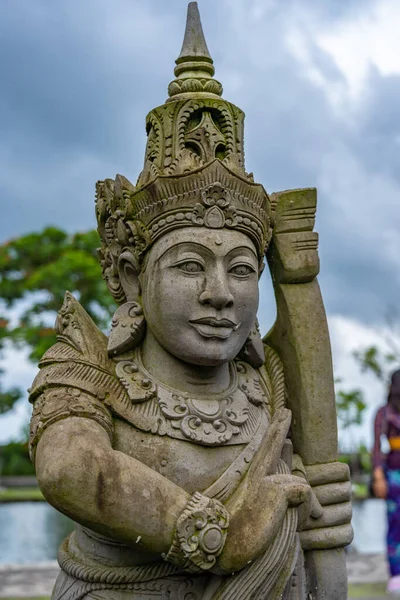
point(216, 292)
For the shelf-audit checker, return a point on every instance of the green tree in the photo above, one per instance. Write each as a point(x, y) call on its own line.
point(35, 271)
point(379, 363)
point(379, 360)
point(383, 360)
point(350, 407)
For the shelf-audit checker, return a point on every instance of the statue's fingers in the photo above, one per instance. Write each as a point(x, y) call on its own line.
point(296, 488)
point(333, 493)
point(337, 514)
point(325, 473)
point(326, 537)
point(316, 509)
point(303, 513)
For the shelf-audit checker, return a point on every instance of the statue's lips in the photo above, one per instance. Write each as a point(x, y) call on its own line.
point(210, 327)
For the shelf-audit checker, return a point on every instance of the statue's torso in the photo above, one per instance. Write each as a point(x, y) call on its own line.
point(203, 444)
point(191, 466)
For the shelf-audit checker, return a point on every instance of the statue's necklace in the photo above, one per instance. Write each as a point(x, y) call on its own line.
point(226, 418)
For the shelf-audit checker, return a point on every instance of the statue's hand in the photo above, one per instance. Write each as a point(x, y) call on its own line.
point(330, 526)
point(256, 513)
point(259, 504)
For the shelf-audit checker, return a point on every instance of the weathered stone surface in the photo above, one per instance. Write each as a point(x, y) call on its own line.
point(168, 443)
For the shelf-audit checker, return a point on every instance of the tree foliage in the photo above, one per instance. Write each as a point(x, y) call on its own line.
point(14, 459)
point(385, 359)
point(350, 407)
point(35, 271)
point(377, 362)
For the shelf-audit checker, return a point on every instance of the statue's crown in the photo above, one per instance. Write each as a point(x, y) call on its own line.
point(193, 172)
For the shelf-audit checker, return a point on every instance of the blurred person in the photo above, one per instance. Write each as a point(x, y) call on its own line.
point(386, 475)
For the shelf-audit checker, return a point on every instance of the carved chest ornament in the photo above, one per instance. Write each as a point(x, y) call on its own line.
point(227, 418)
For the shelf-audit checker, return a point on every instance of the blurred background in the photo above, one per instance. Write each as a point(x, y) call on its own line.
point(319, 83)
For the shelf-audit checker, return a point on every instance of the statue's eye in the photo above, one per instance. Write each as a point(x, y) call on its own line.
point(191, 266)
point(241, 270)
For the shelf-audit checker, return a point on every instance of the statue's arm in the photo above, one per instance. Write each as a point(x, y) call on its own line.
point(114, 494)
point(71, 442)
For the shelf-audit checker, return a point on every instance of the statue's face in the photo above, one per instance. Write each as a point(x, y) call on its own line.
point(200, 293)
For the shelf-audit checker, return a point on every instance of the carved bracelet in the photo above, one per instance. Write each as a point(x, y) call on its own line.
point(200, 536)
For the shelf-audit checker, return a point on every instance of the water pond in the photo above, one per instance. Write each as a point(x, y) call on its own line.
point(30, 532)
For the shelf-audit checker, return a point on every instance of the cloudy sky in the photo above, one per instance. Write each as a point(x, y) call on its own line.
point(318, 81)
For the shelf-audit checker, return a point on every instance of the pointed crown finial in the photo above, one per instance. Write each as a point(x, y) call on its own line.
point(194, 66)
point(193, 174)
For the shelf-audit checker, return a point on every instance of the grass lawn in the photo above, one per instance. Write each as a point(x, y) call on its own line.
point(360, 491)
point(20, 495)
point(368, 591)
point(364, 592)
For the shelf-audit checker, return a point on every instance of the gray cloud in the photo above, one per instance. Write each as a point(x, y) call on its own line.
point(79, 77)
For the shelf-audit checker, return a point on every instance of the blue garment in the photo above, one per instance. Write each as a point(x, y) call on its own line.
point(393, 516)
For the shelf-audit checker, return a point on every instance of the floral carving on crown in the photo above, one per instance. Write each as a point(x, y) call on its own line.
point(215, 211)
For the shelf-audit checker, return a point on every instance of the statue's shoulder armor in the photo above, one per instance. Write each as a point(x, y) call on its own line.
point(78, 337)
point(79, 357)
point(76, 377)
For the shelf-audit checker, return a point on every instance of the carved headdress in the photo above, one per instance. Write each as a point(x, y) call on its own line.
point(193, 171)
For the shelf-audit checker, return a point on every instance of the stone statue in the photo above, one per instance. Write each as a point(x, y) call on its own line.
point(197, 460)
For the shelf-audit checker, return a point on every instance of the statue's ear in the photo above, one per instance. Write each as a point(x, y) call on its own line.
point(128, 270)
